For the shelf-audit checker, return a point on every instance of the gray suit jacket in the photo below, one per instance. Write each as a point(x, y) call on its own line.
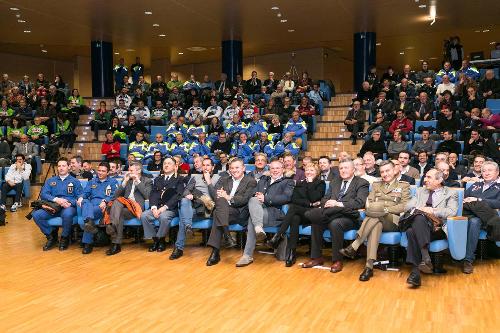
point(445, 203)
point(31, 149)
point(141, 193)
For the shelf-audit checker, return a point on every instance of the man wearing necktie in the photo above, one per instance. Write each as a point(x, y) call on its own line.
point(386, 201)
point(164, 200)
point(438, 203)
point(338, 212)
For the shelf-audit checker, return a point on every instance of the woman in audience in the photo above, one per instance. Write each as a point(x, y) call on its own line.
point(271, 110)
point(117, 130)
point(101, 119)
point(111, 147)
point(307, 194)
point(156, 164)
point(215, 128)
point(14, 131)
point(275, 128)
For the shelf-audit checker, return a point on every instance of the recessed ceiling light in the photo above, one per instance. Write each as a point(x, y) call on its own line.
point(486, 30)
point(117, 53)
point(156, 25)
point(283, 21)
point(148, 12)
point(196, 48)
point(44, 51)
point(181, 53)
point(291, 30)
point(493, 43)
point(161, 35)
point(378, 44)
point(421, 60)
point(279, 15)
point(410, 47)
point(14, 8)
point(18, 15)
point(275, 8)
point(477, 30)
point(27, 31)
point(401, 53)
point(422, 6)
point(21, 21)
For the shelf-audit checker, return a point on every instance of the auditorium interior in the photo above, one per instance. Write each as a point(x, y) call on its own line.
point(243, 166)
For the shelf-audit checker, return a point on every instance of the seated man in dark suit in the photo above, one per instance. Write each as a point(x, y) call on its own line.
point(338, 212)
point(136, 187)
point(422, 164)
point(445, 169)
point(232, 193)
point(271, 193)
point(165, 196)
point(438, 203)
point(481, 201)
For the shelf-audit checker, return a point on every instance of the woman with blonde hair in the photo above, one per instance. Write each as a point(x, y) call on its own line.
point(306, 195)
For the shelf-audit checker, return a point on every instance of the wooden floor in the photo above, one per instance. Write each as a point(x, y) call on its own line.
point(137, 291)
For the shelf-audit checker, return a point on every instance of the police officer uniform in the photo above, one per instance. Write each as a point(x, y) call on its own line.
point(69, 188)
point(95, 192)
point(384, 205)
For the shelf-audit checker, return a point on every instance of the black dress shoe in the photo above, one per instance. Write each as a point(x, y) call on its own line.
point(63, 243)
point(176, 254)
point(291, 257)
point(366, 274)
point(275, 241)
point(214, 257)
point(51, 242)
point(162, 245)
point(87, 248)
point(114, 249)
point(189, 231)
point(228, 241)
point(89, 226)
point(348, 252)
point(154, 246)
point(414, 279)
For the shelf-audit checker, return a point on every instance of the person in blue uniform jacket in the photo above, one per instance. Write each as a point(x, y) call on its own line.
point(97, 193)
point(62, 189)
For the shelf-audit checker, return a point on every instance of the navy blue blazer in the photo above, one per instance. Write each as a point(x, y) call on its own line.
point(490, 196)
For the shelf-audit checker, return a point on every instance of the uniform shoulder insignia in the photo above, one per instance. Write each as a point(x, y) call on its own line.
point(403, 182)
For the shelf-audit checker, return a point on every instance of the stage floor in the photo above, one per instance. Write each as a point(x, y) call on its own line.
point(137, 291)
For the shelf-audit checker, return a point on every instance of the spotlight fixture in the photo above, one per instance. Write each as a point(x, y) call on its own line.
point(130, 50)
point(44, 51)
point(21, 21)
point(161, 35)
point(401, 53)
point(148, 12)
point(486, 30)
point(27, 31)
point(156, 25)
point(422, 6)
point(278, 15)
point(180, 53)
point(275, 8)
point(283, 21)
point(291, 30)
point(433, 12)
point(378, 44)
point(493, 43)
point(477, 30)
point(14, 9)
point(117, 53)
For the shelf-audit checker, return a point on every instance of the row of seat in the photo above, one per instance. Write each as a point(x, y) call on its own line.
point(456, 229)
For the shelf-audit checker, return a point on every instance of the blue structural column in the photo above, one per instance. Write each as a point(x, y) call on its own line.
point(364, 56)
point(101, 57)
point(232, 58)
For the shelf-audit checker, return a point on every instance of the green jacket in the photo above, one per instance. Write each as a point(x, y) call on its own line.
point(77, 100)
point(38, 130)
point(8, 113)
point(15, 131)
point(106, 116)
point(63, 128)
